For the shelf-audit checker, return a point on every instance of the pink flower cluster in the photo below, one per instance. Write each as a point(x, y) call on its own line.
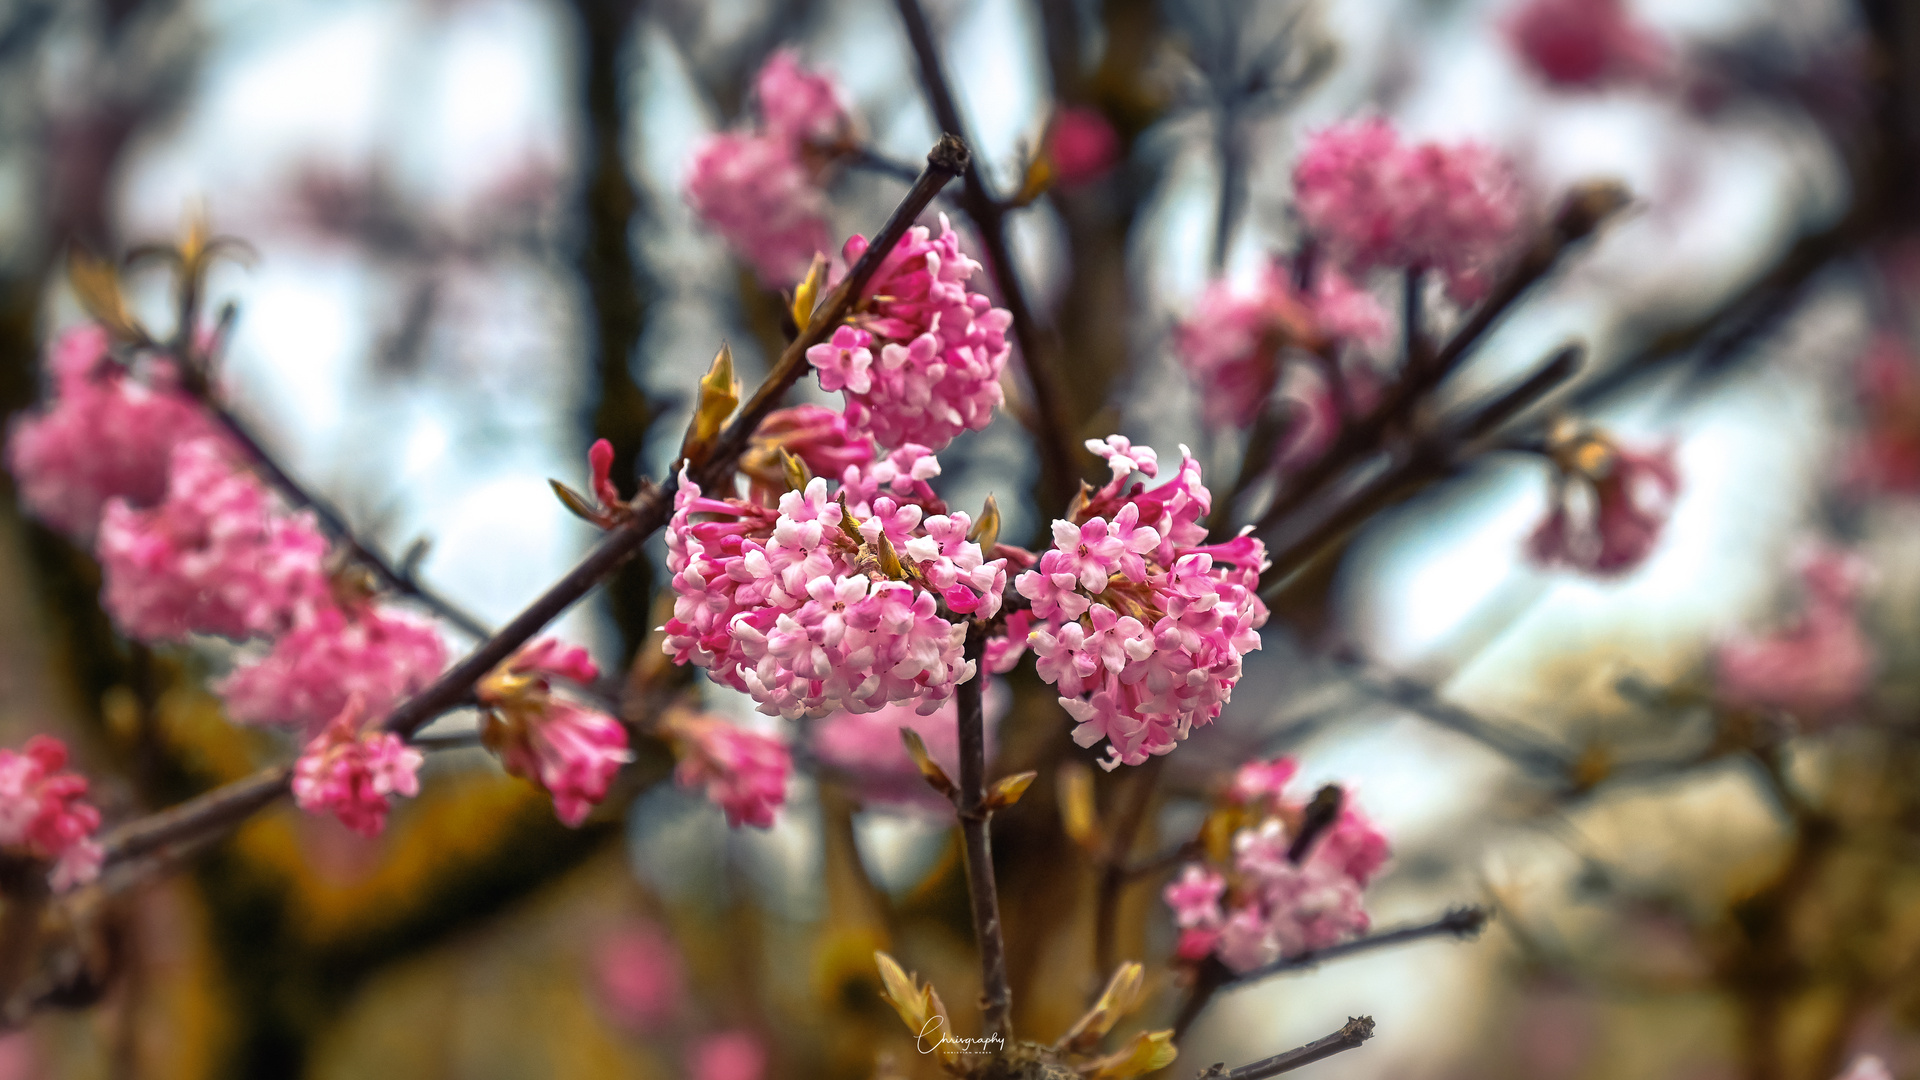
point(821, 438)
point(1233, 342)
point(829, 602)
point(941, 347)
point(1271, 905)
point(745, 774)
point(103, 435)
point(352, 767)
point(760, 189)
point(1373, 201)
point(570, 750)
point(216, 557)
point(1140, 624)
point(1586, 43)
point(333, 655)
point(1610, 505)
point(1818, 665)
point(42, 815)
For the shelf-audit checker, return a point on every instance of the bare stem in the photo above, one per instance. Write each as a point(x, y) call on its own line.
point(1462, 923)
point(232, 803)
point(1053, 428)
point(1115, 872)
point(1357, 1030)
point(970, 802)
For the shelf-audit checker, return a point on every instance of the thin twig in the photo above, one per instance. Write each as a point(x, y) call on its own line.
point(1357, 1030)
point(970, 802)
point(1052, 429)
point(1115, 873)
point(1464, 922)
point(228, 805)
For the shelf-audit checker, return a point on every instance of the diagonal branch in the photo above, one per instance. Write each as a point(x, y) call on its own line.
point(232, 803)
point(1357, 1030)
point(1461, 923)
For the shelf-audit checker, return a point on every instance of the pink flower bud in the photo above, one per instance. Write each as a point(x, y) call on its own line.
point(352, 768)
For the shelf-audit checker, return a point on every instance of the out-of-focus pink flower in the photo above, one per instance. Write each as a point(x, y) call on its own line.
point(1272, 905)
point(1866, 1067)
point(1586, 43)
point(923, 362)
point(102, 435)
point(641, 977)
point(332, 655)
point(1233, 342)
point(1887, 456)
point(215, 558)
point(782, 604)
point(1816, 666)
point(745, 774)
point(352, 767)
point(757, 194)
point(1081, 145)
point(1141, 625)
point(800, 106)
point(1375, 202)
point(866, 747)
point(1610, 504)
point(571, 751)
point(730, 1055)
point(760, 190)
point(42, 815)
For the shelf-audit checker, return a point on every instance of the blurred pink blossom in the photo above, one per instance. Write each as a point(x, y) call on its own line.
point(1586, 43)
point(640, 976)
point(1609, 507)
point(1817, 665)
point(42, 815)
point(383, 656)
point(1866, 1067)
point(800, 106)
point(1375, 202)
point(868, 749)
point(745, 774)
point(216, 557)
point(758, 195)
point(729, 1055)
point(1081, 145)
point(102, 434)
point(570, 750)
point(352, 767)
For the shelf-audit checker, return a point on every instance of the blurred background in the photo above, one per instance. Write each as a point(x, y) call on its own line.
point(472, 256)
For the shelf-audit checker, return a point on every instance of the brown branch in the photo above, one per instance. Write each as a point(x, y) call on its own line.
point(1115, 872)
point(970, 802)
point(1357, 1030)
point(1053, 427)
point(228, 805)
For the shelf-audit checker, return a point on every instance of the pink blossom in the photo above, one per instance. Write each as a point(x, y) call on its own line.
point(1081, 145)
point(103, 434)
point(791, 605)
point(798, 106)
point(352, 767)
point(1375, 202)
point(1610, 505)
point(1273, 905)
point(1586, 43)
point(941, 348)
point(1866, 1067)
point(600, 468)
point(641, 976)
point(332, 655)
point(730, 1055)
point(1141, 626)
point(1234, 341)
point(1816, 666)
point(820, 437)
point(215, 558)
point(42, 815)
point(570, 750)
point(757, 193)
point(745, 774)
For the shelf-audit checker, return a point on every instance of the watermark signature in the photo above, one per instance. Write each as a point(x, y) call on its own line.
point(933, 1029)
